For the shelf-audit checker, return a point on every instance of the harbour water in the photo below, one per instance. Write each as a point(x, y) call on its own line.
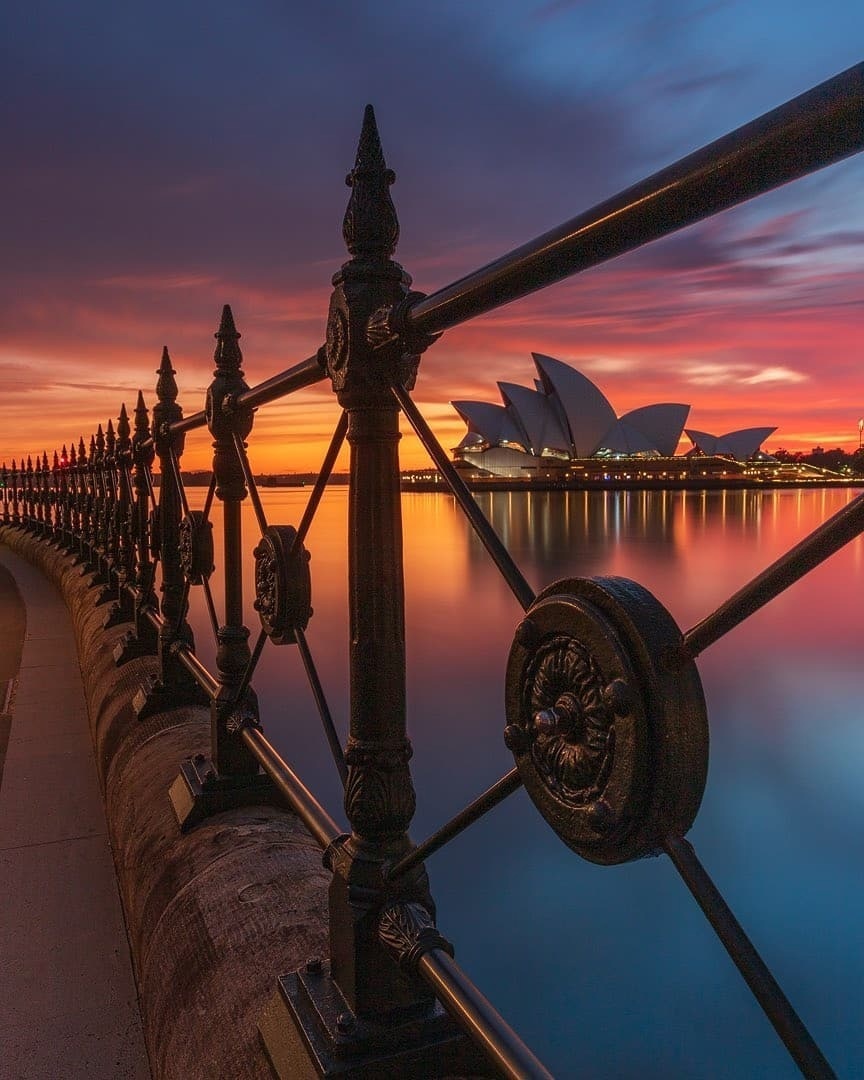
point(613, 972)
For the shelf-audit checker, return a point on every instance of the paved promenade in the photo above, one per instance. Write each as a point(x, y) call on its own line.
point(68, 1005)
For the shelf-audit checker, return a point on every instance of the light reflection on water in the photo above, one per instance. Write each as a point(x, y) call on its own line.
point(613, 972)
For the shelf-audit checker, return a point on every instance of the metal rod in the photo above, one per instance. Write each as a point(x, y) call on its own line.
point(488, 537)
point(481, 805)
point(178, 480)
point(764, 987)
point(208, 501)
point(321, 480)
point(250, 483)
point(209, 683)
point(211, 607)
point(323, 707)
point(814, 549)
point(474, 1013)
point(189, 423)
point(154, 618)
point(313, 815)
point(306, 373)
point(816, 129)
point(255, 656)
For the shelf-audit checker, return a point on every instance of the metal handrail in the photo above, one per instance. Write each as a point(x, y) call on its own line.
point(814, 130)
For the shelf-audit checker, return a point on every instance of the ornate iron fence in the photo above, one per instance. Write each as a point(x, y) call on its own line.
point(605, 714)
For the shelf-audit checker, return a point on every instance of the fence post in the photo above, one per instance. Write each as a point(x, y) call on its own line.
point(377, 996)
point(122, 525)
point(142, 639)
point(174, 686)
point(232, 775)
point(29, 507)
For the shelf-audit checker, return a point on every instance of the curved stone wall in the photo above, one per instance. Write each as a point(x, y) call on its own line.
point(213, 917)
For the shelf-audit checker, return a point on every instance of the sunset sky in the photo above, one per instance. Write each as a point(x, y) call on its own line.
point(161, 160)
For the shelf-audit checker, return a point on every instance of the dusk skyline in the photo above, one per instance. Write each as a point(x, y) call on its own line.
point(163, 161)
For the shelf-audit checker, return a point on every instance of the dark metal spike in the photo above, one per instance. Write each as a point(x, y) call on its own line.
point(228, 358)
point(44, 460)
point(82, 452)
point(56, 464)
point(110, 438)
point(124, 429)
point(100, 441)
point(370, 226)
point(73, 460)
point(166, 385)
point(142, 418)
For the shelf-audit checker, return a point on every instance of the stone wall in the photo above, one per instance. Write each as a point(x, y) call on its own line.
point(213, 917)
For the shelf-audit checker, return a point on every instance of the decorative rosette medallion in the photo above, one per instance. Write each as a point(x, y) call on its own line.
point(196, 547)
point(283, 589)
point(606, 718)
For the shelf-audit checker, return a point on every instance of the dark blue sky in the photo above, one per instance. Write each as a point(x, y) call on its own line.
point(161, 160)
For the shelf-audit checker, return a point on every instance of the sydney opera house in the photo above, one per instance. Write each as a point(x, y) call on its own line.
point(565, 418)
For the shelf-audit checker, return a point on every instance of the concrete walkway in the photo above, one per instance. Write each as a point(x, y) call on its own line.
point(68, 1004)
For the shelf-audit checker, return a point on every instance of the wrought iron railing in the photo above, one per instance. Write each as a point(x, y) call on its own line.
point(605, 714)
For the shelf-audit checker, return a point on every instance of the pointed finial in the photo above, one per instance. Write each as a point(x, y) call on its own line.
point(124, 429)
point(56, 464)
point(73, 460)
point(44, 460)
point(30, 463)
point(370, 226)
point(228, 358)
point(82, 452)
point(166, 386)
point(110, 439)
point(99, 442)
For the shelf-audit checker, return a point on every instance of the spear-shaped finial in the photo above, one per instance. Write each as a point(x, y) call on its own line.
point(166, 385)
point(99, 443)
point(73, 460)
point(142, 418)
point(228, 358)
point(110, 439)
point(124, 429)
point(82, 451)
point(44, 461)
point(370, 226)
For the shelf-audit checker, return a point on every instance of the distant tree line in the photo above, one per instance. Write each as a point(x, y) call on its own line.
point(836, 460)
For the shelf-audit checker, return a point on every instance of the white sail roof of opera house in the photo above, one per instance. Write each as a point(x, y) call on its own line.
point(588, 414)
point(737, 444)
point(568, 416)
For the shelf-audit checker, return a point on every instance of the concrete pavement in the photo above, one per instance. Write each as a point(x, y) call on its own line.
point(68, 1002)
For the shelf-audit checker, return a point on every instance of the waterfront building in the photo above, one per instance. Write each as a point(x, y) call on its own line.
point(565, 425)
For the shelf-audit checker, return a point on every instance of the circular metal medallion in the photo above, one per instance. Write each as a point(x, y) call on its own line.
point(196, 547)
point(606, 718)
point(283, 589)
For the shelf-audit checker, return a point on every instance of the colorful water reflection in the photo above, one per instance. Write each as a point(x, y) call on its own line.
point(613, 972)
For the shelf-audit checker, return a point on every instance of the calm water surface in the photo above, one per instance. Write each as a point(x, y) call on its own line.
point(613, 972)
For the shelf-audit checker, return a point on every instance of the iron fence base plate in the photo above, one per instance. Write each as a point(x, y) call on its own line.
point(198, 792)
point(310, 1033)
point(154, 696)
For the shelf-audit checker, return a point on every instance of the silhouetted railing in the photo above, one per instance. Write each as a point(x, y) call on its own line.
point(605, 714)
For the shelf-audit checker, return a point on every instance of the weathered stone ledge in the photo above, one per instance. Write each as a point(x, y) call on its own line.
point(213, 916)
